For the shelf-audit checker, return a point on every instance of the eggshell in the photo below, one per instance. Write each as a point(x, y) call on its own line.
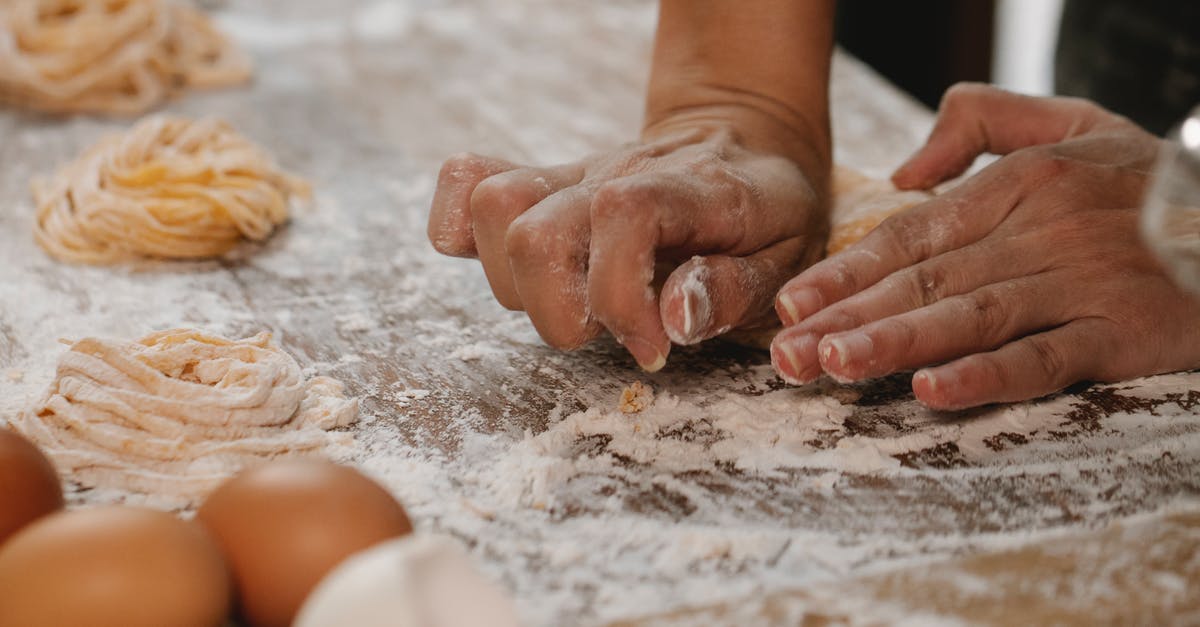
point(29, 487)
point(415, 581)
point(285, 524)
point(113, 566)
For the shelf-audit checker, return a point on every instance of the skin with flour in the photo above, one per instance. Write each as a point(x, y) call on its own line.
point(1038, 254)
point(733, 160)
point(1026, 278)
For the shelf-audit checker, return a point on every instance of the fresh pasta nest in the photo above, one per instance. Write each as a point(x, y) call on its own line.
point(177, 412)
point(109, 56)
point(171, 188)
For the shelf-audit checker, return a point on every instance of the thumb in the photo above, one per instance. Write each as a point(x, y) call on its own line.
point(707, 296)
point(975, 118)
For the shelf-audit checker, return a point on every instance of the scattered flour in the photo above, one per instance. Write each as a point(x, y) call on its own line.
point(721, 486)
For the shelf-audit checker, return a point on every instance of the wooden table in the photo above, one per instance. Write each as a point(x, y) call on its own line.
point(706, 500)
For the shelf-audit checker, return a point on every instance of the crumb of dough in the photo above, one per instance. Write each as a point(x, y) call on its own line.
point(635, 398)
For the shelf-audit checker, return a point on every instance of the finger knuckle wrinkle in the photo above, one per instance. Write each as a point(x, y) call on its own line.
point(494, 195)
point(621, 200)
point(928, 284)
point(1050, 359)
point(989, 313)
point(904, 239)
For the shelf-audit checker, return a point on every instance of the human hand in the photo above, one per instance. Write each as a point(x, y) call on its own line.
point(576, 246)
point(1027, 277)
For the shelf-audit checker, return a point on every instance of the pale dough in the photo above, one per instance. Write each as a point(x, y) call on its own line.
point(171, 187)
point(860, 204)
point(109, 56)
point(178, 411)
point(415, 581)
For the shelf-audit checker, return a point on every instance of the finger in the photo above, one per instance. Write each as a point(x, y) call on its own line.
point(794, 355)
point(707, 296)
point(976, 118)
point(449, 226)
point(635, 216)
point(950, 328)
point(955, 273)
point(1027, 368)
point(703, 208)
point(547, 250)
point(948, 222)
point(495, 203)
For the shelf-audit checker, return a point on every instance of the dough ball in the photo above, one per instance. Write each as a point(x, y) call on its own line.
point(113, 566)
point(415, 581)
point(170, 187)
point(29, 487)
point(860, 204)
point(284, 525)
point(122, 57)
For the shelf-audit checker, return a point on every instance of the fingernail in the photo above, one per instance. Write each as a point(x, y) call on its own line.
point(648, 357)
point(839, 350)
point(786, 357)
point(926, 379)
point(800, 304)
point(935, 390)
point(694, 319)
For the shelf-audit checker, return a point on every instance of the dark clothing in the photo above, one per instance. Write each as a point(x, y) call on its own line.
point(1140, 58)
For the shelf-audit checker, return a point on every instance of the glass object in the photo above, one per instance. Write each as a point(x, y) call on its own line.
point(1171, 211)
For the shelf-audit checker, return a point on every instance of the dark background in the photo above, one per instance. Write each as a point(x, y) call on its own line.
point(924, 47)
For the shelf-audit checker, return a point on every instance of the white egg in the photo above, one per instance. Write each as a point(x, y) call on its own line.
point(415, 581)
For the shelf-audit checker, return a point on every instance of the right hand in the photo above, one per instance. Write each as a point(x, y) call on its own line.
point(576, 246)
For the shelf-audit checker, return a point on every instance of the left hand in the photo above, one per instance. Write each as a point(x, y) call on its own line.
point(1024, 279)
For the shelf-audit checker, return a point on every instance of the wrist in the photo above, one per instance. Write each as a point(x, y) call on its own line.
point(754, 122)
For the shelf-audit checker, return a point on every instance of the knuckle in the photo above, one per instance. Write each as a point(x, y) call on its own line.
point(991, 372)
point(458, 166)
point(926, 283)
point(524, 240)
point(1049, 358)
point(500, 195)
point(903, 239)
point(989, 314)
point(962, 93)
point(621, 200)
point(528, 240)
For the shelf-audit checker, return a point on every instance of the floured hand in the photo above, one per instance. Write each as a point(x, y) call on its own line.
point(1026, 278)
point(576, 246)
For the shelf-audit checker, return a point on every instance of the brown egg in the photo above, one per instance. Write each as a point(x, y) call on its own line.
point(29, 487)
point(284, 525)
point(118, 566)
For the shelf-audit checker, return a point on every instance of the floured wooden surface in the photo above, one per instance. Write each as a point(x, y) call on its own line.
point(725, 486)
point(1139, 571)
